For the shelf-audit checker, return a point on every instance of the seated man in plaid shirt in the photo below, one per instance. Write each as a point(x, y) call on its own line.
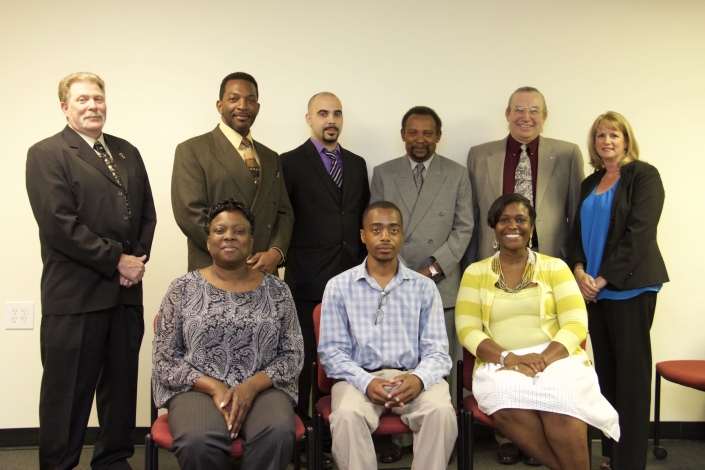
point(383, 335)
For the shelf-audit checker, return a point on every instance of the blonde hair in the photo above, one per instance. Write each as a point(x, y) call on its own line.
point(67, 81)
point(616, 121)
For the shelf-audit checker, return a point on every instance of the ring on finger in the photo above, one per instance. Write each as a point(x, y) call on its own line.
point(516, 368)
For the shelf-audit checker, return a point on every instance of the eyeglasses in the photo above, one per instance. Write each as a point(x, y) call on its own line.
point(520, 111)
point(379, 317)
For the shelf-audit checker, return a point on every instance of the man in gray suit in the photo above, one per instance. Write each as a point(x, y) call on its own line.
point(550, 178)
point(228, 162)
point(547, 171)
point(434, 196)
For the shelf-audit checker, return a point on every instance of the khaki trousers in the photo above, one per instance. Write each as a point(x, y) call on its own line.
point(354, 417)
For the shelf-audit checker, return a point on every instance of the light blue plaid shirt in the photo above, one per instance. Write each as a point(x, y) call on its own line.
point(400, 327)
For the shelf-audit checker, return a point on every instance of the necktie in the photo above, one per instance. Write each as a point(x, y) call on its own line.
point(250, 159)
point(418, 176)
point(335, 172)
point(108, 160)
point(522, 176)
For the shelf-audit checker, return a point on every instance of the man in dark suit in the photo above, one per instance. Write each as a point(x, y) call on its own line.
point(91, 197)
point(228, 162)
point(329, 190)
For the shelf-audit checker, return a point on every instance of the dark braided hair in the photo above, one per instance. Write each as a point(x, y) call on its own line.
point(229, 205)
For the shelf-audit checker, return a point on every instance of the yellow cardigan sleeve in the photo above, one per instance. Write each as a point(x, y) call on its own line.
point(469, 307)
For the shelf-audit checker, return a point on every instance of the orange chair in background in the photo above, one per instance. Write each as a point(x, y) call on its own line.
point(690, 373)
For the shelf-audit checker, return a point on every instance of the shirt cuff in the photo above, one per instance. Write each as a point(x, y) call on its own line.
point(283, 261)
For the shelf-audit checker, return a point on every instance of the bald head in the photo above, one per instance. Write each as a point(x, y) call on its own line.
point(325, 117)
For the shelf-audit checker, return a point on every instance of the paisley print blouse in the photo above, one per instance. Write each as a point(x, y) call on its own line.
point(229, 336)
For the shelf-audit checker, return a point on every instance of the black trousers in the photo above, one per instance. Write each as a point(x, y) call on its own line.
point(304, 310)
point(621, 344)
point(85, 354)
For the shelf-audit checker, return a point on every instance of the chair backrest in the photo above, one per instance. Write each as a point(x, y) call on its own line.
point(325, 384)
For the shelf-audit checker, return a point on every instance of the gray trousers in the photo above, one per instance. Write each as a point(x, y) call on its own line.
point(202, 441)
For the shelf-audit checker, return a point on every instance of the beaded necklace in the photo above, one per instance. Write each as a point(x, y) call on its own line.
point(526, 276)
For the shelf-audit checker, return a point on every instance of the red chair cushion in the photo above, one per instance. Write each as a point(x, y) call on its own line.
point(690, 373)
point(162, 435)
point(470, 403)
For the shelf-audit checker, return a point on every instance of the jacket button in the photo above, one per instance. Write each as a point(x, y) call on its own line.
point(406, 243)
point(124, 216)
point(441, 214)
point(269, 225)
point(344, 243)
point(119, 193)
point(342, 213)
point(275, 200)
point(127, 242)
point(431, 242)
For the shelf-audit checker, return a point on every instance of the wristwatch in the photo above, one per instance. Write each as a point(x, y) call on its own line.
point(434, 273)
point(502, 357)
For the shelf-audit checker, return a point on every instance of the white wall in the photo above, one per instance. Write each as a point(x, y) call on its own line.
point(163, 62)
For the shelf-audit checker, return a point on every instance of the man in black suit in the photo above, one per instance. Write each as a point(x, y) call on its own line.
point(91, 198)
point(329, 190)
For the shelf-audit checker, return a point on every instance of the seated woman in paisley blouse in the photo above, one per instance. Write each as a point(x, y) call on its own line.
point(227, 353)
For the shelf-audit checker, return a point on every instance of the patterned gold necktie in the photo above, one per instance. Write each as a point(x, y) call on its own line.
point(250, 159)
point(108, 160)
point(522, 176)
point(418, 176)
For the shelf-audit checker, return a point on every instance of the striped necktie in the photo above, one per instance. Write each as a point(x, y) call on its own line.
point(335, 171)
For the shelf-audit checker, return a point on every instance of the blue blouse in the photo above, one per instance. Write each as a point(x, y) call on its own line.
point(595, 223)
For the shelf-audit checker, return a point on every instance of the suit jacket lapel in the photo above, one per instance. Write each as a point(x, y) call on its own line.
point(495, 168)
point(226, 154)
point(546, 162)
point(268, 169)
point(314, 159)
point(435, 176)
point(86, 153)
point(405, 184)
point(118, 160)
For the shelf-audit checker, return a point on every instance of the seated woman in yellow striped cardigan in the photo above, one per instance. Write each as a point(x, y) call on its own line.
point(521, 314)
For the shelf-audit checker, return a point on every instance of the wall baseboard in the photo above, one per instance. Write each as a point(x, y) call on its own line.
point(29, 437)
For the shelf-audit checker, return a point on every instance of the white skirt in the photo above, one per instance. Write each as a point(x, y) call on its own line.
point(567, 387)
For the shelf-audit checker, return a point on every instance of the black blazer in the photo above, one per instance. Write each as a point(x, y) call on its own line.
point(632, 258)
point(326, 237)
point(83, 222)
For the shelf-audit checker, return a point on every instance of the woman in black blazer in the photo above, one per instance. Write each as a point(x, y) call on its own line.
point(617, 263)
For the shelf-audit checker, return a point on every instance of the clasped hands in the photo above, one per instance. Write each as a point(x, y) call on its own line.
point(234, 403)
point(409, 386)
point(131, 269)
point(528, 364)
point(589, 287)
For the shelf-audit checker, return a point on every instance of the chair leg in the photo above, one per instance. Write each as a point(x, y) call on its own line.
point(310, 451)
point(659, 452)
point(151, 448)
point(469, 464)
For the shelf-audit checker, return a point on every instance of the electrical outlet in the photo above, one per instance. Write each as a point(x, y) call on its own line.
point(19, 315)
